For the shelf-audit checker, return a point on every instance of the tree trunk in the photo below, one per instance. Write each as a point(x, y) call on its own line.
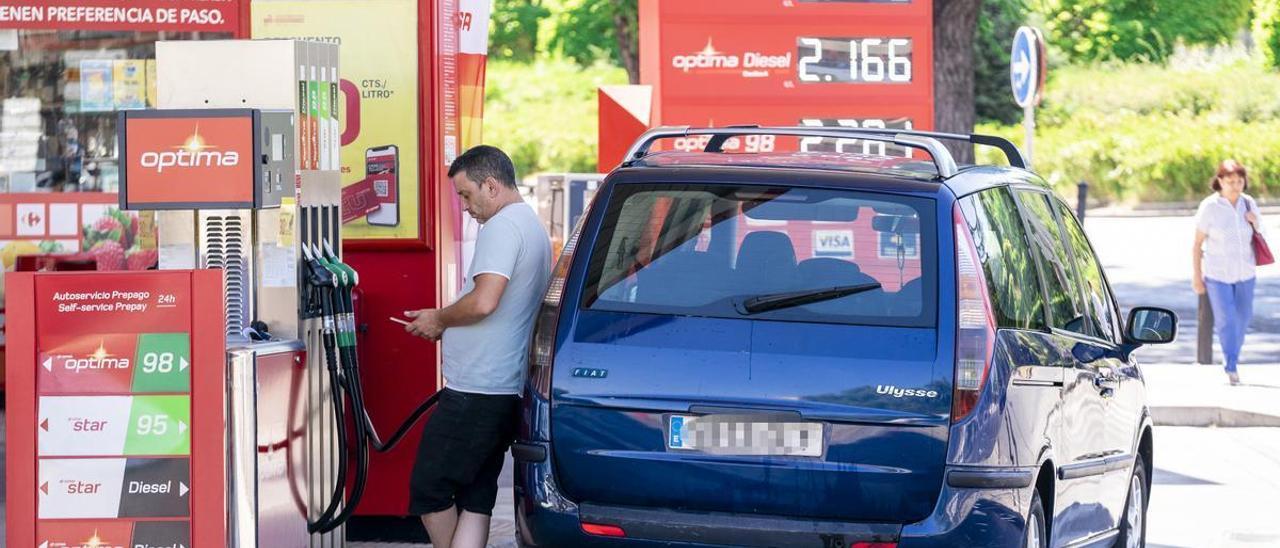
point(624, 30)
point(954, 26)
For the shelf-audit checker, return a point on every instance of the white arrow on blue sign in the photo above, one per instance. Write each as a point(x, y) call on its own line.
point(1024, 67)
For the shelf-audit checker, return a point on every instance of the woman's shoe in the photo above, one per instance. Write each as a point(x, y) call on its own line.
point(1234, 377)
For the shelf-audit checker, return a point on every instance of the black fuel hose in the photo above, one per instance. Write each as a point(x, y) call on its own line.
point(328, 337)
point(339, 306)
point(351, 385)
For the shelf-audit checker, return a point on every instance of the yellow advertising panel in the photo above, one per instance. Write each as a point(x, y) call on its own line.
point(376, 100)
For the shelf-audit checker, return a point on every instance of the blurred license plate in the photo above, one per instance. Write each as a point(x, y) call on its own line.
point(735, 435)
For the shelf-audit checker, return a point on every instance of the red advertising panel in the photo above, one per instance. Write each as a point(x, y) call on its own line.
point(116, 390)
point(188, 158)
point(122, 15)
point(831, 63)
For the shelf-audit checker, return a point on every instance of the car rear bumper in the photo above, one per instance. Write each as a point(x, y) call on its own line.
point(962, 517)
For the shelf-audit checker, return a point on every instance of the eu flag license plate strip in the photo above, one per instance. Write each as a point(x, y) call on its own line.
point(738, 435)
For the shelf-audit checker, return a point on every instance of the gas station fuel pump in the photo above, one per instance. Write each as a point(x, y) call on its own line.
point(293, 365)
point(240, 165)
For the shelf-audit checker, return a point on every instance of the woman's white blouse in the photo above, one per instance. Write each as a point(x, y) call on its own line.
point(1228, 249)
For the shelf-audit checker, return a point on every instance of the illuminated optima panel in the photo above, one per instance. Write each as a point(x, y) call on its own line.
point(831, 63)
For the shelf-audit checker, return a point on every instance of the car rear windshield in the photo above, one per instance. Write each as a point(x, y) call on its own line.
point(709, 249)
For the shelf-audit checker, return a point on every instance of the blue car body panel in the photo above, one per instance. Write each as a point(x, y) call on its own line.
point(898, 462)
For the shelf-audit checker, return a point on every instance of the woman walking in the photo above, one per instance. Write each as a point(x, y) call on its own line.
point(1223, 260)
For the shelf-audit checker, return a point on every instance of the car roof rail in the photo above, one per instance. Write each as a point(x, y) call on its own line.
point(1011, 152)
point(924, 140)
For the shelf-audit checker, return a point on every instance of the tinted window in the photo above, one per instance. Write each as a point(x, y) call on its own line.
point(703, 250)
point(1001, 241)
point(1095, 286)
point(1066, 309)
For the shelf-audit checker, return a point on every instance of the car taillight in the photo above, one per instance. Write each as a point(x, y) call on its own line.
point(542, 351)
point(603, 530)
point(975, 324)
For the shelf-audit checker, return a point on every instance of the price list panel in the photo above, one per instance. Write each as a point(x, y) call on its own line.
point(113, 410)
point(833, 63)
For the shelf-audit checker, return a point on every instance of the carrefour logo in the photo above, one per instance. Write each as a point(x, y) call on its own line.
point(194, 153)
point(710, 58)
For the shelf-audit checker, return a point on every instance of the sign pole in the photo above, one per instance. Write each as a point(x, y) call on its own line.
point(1029, 124)
point(1026, 74)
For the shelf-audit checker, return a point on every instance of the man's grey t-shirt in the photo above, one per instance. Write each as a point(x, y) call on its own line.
point(490, 357)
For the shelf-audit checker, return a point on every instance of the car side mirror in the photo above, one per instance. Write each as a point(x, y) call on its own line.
point(1151, 325)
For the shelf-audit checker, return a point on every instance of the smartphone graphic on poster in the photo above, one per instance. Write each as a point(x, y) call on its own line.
point(382, 167)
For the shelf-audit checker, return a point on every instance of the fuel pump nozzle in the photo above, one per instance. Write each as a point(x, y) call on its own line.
point(321, 285)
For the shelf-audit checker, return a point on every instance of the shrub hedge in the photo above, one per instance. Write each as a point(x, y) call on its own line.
point(1155, 133)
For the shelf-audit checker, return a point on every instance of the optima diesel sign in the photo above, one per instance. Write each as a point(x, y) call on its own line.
point(194, 158)
point(754, 64)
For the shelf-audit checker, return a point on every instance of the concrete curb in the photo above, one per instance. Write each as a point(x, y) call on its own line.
point(1211, 416)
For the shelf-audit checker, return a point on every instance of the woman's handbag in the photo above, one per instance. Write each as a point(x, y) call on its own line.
point(1261, 251)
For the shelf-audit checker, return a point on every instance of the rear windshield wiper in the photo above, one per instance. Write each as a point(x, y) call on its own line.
point(775, 301)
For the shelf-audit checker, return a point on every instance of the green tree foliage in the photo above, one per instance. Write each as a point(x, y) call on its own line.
point(1159, 140)
point(1093, 30)
point(544, 113)
point(588, 31)
point(1266, 29)
point(513, 29)
point(997, 24)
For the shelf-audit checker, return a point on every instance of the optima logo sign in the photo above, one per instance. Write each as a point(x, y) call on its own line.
point(751, 62)
point(194, 153)
point(176, 159)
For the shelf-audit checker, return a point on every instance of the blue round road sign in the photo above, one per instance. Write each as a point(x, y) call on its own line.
point(1025, 65)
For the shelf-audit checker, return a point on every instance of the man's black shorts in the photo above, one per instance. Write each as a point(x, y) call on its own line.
point(461, 453)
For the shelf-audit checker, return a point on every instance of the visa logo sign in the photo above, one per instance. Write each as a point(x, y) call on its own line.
point(833, 243)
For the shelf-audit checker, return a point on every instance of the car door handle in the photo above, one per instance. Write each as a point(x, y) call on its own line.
point(1106, 384)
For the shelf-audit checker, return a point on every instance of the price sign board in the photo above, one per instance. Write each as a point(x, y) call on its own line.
point(835, 63)
point(116, 399)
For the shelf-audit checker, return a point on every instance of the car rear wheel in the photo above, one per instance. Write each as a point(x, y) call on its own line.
point(1133, 528)
point(1035, 535)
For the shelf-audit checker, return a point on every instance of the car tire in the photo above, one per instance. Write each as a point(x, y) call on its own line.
point(1035, 535)
point(1133, 522)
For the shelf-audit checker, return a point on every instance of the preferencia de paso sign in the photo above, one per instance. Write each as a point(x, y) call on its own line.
point(189, 159)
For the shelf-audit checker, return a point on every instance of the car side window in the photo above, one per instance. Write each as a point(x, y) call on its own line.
point(1095, 286)
point(1067, 309)
point(1001, 241)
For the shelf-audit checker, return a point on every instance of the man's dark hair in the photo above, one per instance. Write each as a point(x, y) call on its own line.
point(483, 161)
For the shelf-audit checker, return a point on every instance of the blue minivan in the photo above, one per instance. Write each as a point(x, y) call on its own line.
point(832, 349)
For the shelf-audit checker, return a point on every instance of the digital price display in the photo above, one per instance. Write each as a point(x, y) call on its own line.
point(820, 63)
point(853, 60)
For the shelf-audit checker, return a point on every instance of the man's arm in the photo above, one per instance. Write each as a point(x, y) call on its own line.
point(476, 305)
point(470, 309)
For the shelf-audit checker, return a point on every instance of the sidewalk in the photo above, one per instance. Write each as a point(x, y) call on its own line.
point(1199, 395)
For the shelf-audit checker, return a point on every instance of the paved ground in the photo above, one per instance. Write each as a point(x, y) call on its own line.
point(1215, 487)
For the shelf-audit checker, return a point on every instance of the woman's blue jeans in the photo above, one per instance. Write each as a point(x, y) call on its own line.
point(1232, 308)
